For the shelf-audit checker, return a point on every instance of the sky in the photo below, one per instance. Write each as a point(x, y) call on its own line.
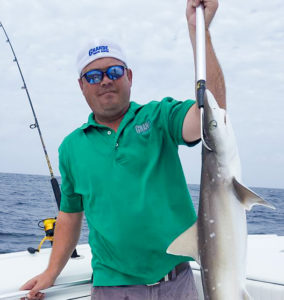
point(248, 38)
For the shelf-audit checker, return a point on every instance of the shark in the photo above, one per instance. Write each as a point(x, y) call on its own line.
point(218, 239)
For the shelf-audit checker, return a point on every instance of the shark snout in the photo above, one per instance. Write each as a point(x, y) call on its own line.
point(212, 103)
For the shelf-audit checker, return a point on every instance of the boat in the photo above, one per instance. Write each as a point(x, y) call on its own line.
point(265, 271)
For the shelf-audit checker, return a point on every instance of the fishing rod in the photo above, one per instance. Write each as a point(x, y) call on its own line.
point(54, 183)
point(49, 224)
point(53, 180)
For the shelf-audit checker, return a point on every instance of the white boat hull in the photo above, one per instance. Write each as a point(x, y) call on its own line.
point(265, 271)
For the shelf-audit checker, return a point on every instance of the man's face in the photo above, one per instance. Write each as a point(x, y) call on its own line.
point(109, 99)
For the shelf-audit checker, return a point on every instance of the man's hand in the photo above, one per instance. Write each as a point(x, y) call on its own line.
point(38, 283)
point(66, 236)
point(209, 12)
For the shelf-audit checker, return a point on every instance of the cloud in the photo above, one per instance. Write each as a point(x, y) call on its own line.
point(248, 40)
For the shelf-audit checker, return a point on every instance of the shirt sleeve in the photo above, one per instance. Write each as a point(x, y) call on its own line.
point(174, 113)
point(71, 202)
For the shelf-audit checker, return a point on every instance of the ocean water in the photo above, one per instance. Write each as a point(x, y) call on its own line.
point(25, 200)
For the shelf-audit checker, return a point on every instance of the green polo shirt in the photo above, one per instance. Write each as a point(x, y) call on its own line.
point(131, 187)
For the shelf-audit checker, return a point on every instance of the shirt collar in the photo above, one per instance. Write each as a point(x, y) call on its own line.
point(133, 107)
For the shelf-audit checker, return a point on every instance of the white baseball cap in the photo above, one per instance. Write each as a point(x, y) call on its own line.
point(98, 49)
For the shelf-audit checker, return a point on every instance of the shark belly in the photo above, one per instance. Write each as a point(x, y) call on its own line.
point(222, 245)
point(222, 233)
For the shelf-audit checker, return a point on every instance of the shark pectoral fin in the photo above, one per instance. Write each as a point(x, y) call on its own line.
point(186, 244)
point(247, 197)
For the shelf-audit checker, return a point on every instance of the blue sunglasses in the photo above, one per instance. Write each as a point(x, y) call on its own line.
point(96, 76)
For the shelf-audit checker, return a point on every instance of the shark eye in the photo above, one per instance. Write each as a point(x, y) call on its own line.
point(212, 125)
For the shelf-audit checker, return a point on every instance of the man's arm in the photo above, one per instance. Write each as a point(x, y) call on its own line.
point(67, 232)
point(214, 75)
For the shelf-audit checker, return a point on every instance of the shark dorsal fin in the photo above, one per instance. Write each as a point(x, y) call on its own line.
point(186, 244)
point(247, 197)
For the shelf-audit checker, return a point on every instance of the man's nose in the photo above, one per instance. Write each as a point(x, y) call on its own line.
point(106, 81)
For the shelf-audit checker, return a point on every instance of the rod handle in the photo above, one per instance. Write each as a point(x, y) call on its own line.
point(200, 44)
point(56, 191)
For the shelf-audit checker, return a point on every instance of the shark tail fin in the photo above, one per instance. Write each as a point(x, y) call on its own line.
point(247, 197)
point(186, 244)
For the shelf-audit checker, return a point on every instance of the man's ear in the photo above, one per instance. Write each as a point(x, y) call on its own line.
point(129, 75)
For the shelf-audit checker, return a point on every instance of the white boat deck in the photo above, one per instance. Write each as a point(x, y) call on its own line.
point(265, 271)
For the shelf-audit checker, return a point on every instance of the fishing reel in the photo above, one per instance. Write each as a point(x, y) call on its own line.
point(48, 225)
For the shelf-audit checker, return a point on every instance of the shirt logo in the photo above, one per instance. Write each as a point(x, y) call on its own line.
point(143, 128)
point(98, 49)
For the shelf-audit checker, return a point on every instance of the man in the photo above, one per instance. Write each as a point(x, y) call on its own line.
point(122, 169)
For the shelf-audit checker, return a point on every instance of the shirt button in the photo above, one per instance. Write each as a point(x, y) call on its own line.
point(116, 145)
point(109, 132)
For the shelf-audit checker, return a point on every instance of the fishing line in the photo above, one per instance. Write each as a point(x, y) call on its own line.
point(54, 182)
